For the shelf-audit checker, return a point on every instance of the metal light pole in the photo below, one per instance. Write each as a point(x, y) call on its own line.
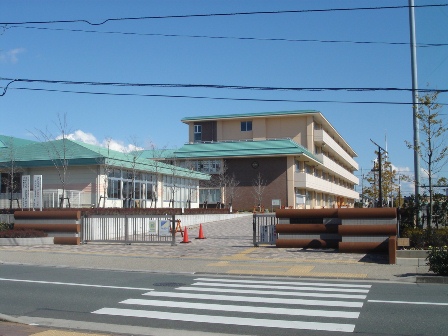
point(415, 105)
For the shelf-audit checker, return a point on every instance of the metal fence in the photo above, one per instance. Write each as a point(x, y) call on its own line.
point(128, 229)
point(264, 229)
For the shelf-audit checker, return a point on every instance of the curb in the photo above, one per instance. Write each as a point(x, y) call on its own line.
point(434, 279)
point(8, 318)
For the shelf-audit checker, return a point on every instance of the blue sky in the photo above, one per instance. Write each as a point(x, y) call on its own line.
point(59, 51)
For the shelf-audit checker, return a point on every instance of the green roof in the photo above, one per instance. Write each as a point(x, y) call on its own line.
point(44, 154)
point(157, 153)
point(248, 115)
point(226, 149)
point(8, 141)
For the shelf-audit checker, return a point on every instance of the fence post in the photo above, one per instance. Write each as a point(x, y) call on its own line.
point(126, 229)
point(254, 230)
point(82, 222)
point(173, 230)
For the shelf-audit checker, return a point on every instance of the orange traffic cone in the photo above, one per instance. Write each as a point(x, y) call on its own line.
point(201, 233)
point(185, 236)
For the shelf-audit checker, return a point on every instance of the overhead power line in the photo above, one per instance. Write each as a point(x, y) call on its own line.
point(217, 86)
point(213, 98)
point(260, 39)
point(216, 98)
point(206, 86)
point(221, 14)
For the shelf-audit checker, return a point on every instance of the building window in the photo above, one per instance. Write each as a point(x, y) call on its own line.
point(6, 186)
point(211, 196)
point(246, 126)
point(208, 166)
point(197, 132)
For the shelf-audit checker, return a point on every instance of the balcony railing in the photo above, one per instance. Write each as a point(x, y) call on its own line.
point(320, 136)
point(337, 169)
point(308, 181)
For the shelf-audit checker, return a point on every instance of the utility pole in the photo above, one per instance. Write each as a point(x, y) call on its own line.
point(415, 106)
point(379, 169)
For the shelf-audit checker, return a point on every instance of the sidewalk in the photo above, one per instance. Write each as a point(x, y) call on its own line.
point(227, 250)
point(8, 328)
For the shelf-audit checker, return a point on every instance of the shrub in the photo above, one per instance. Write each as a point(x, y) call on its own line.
point(438, 260)
point(436, 237)
point(6, 226)
point(22, 233)
point(416, 237)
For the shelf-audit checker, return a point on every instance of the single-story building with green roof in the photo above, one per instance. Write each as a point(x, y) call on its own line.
point(85, 175)
point(292, 159)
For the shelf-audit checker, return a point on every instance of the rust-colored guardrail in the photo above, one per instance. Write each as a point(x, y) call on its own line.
point(351, 230)
point(64, 225)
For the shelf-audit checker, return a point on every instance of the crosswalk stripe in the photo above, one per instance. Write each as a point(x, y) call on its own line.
point(242, 321)
point(256, 299)
point(297, 288)
point(243, 309)
point(269, 292)
point(288, 283)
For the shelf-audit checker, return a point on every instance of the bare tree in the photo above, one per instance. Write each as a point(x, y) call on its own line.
point(11, 170)
point(158, 156)
point(227, 184)
point(259, 186)
point(57, 149)
point(432, 149)
point(174, 183)
point(107, 170)
point(134, 153)
point(232, 190)
point(191, 167)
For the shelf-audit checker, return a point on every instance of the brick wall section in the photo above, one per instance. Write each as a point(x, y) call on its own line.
point(273, 170)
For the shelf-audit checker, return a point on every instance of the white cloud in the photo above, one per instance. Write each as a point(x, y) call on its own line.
point(11, 56)
point(90, 139)
point(87, 138)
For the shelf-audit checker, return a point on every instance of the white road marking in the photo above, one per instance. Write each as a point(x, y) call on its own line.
point(243, 309)
point(256, 299)
point(269, 292)
point(410, 302)
point(296, 288)
point(74, 284)
point(288, 283)
point(284, 324)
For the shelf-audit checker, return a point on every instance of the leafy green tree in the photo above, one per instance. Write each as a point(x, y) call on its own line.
point(389, 183)
point(409, 211)
point(440, 209)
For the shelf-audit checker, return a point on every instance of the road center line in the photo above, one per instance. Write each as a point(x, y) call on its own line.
point(74, 284)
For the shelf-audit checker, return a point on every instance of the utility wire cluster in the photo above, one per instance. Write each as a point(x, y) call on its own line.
point(221, 14)
point(241, 38)
point(9, 25)
point(208, 86)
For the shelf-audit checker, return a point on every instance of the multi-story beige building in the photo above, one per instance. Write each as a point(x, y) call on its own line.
point(293, 159)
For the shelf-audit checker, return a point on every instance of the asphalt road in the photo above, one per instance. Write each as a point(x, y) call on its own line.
point(144, 303)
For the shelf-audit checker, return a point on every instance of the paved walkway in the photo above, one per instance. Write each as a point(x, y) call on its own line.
point(227, 249)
